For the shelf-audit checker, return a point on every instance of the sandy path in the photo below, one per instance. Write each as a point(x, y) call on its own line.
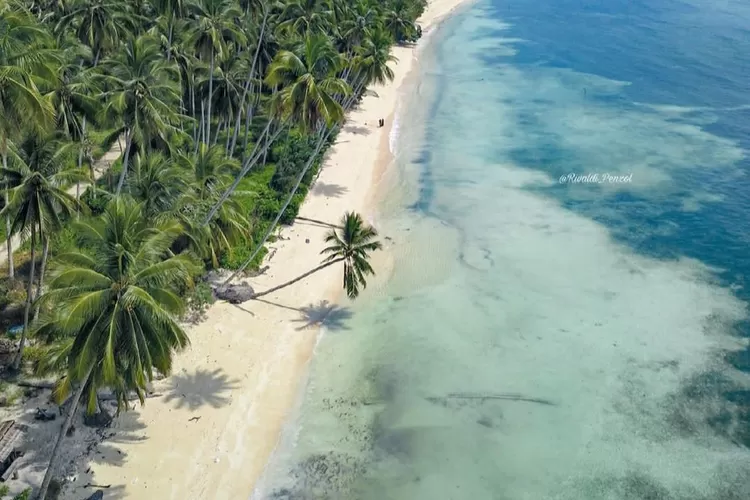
point(211, 430)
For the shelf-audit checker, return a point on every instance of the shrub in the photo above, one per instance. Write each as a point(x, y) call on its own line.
point(234, 259)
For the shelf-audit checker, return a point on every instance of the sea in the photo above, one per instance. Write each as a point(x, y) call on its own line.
point(565, 314)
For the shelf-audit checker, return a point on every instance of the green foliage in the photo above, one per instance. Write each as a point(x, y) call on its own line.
point(95, 200)
point(239, 255)
point(290, 157)
point(24, 495)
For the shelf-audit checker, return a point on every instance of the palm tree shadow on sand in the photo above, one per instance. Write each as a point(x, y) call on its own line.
point(201, 388)
point(331, 316)
point(328, 190)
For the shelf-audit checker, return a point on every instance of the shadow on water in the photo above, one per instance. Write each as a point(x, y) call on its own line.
point(201, 388)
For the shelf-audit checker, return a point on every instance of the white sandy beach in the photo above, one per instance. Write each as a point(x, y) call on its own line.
point(210, 430)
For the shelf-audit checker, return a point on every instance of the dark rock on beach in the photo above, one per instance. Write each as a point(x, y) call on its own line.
point(235, 294)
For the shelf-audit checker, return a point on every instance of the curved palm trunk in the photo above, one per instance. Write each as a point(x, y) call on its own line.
point(42, 269)
point(8, 240)
point(126, 157)
point(29, 300)
point(310, 161)
point(299, 278)
point(210, 97)
point(63, 430)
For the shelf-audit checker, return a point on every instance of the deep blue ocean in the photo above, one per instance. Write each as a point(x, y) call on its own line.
point(567, 313)
point(689, 60)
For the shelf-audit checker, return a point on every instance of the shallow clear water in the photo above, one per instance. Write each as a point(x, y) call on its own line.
point(541, 339)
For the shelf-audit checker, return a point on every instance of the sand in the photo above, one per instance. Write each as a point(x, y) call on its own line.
point(212, 426)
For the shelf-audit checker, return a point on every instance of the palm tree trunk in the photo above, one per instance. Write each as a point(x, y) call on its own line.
point(169, 39)
point(245, 169)
point(63, 430)
point(210, 97)
point(80, 165)
point(218, 130)
point(29, 300)
point(249, 85)
point(192, 109)
point(8, 239)
point(42, 269)
point(301, 175)
point(248, 121)
point(203, 122)
point(299, 278)
point(126, 156)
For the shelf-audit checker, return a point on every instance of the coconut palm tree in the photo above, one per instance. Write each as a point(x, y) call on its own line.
point(215, 24)
point(309, 99)
point(25, 62)
point(207, 173)
point(304, 17)
point(37, 176)
point(99, 24)
point(144, 95)
point(117, 298)
point(74, 98)
point(352, 246)
point(156, 182)
point(171, 11)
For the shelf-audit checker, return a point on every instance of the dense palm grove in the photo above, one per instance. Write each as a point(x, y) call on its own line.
point(222, 109)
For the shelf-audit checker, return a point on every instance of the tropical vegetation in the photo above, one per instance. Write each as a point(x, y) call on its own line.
point(222, 109)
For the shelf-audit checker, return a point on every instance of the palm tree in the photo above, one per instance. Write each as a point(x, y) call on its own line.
point(215, 25)
point(25, 61)
point(143, 93)
point(352, 246)
point(304, 17)
point(99, 24)
point(207, 173)
point(37, 177)
point(171, 10)
point(75, 102)
point(117, 299)
point(156, 183)
point(309, 99)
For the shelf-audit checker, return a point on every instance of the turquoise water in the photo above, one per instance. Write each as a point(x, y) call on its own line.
point(542, 337)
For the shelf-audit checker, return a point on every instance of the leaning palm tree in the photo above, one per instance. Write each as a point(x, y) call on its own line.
point(25, 62)
point(309, 98)
point(144, 94)
point(352, 246)
point(37, 177)
point(117, 297)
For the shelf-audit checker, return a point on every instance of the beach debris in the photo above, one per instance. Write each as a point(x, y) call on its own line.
point(100, 486)
point(194, 419)
point(307, 240)
point(44, 415)
point(97, 495)
point(235, 294)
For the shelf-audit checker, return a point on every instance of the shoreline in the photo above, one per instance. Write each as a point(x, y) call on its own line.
point(213, 425)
